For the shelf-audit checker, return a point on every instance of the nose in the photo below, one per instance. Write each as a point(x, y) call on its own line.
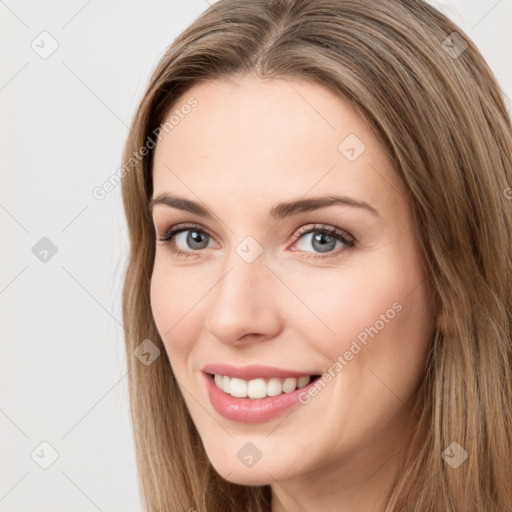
point(244, 304)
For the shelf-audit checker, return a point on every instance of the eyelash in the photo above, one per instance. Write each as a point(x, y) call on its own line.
point(338, 234)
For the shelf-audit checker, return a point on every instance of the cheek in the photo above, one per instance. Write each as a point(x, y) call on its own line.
point(377, 318)
point(376, 358)
point(345, 307)
point(175, 298)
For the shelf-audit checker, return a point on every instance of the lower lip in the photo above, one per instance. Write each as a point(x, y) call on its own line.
point(245, 410)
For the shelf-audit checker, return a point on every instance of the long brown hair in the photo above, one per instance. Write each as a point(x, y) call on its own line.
point(437, 108)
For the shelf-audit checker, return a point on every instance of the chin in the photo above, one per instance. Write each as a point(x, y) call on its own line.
point(248, 476)
point(234, 471)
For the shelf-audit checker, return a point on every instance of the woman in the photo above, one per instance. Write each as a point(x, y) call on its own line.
point(318, 200)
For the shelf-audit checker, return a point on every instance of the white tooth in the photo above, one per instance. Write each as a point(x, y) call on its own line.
point(303, 381)
point(257, 388)
point(219, 381)
point(226, 384)
point(274, 387)
point(238, 387)
point(289, 384)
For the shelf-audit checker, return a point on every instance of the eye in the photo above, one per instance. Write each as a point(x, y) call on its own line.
point(324, 239)
point(188, 235)
point(321, 237)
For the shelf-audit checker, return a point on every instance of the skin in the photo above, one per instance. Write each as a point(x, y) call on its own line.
point(247, 145)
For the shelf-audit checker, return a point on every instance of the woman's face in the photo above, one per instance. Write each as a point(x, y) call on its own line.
point(279, 282)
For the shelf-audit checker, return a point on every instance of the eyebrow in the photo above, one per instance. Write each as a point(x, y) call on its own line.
point(277, 212)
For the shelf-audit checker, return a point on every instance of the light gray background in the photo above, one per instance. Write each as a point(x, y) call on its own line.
point(64, 121)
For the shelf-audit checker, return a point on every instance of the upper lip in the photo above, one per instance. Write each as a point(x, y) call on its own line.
point(253, 371)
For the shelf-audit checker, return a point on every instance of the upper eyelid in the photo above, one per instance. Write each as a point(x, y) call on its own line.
point(185, 226)
point(315, 226)
point(303, 230)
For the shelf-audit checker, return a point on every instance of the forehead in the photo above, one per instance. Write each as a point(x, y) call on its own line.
point(256, 137)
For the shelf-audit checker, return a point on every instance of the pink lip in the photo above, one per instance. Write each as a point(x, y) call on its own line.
point(244, 410)
point(253, 371)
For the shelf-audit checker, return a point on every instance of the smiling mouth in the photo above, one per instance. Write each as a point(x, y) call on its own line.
point(259, 388)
